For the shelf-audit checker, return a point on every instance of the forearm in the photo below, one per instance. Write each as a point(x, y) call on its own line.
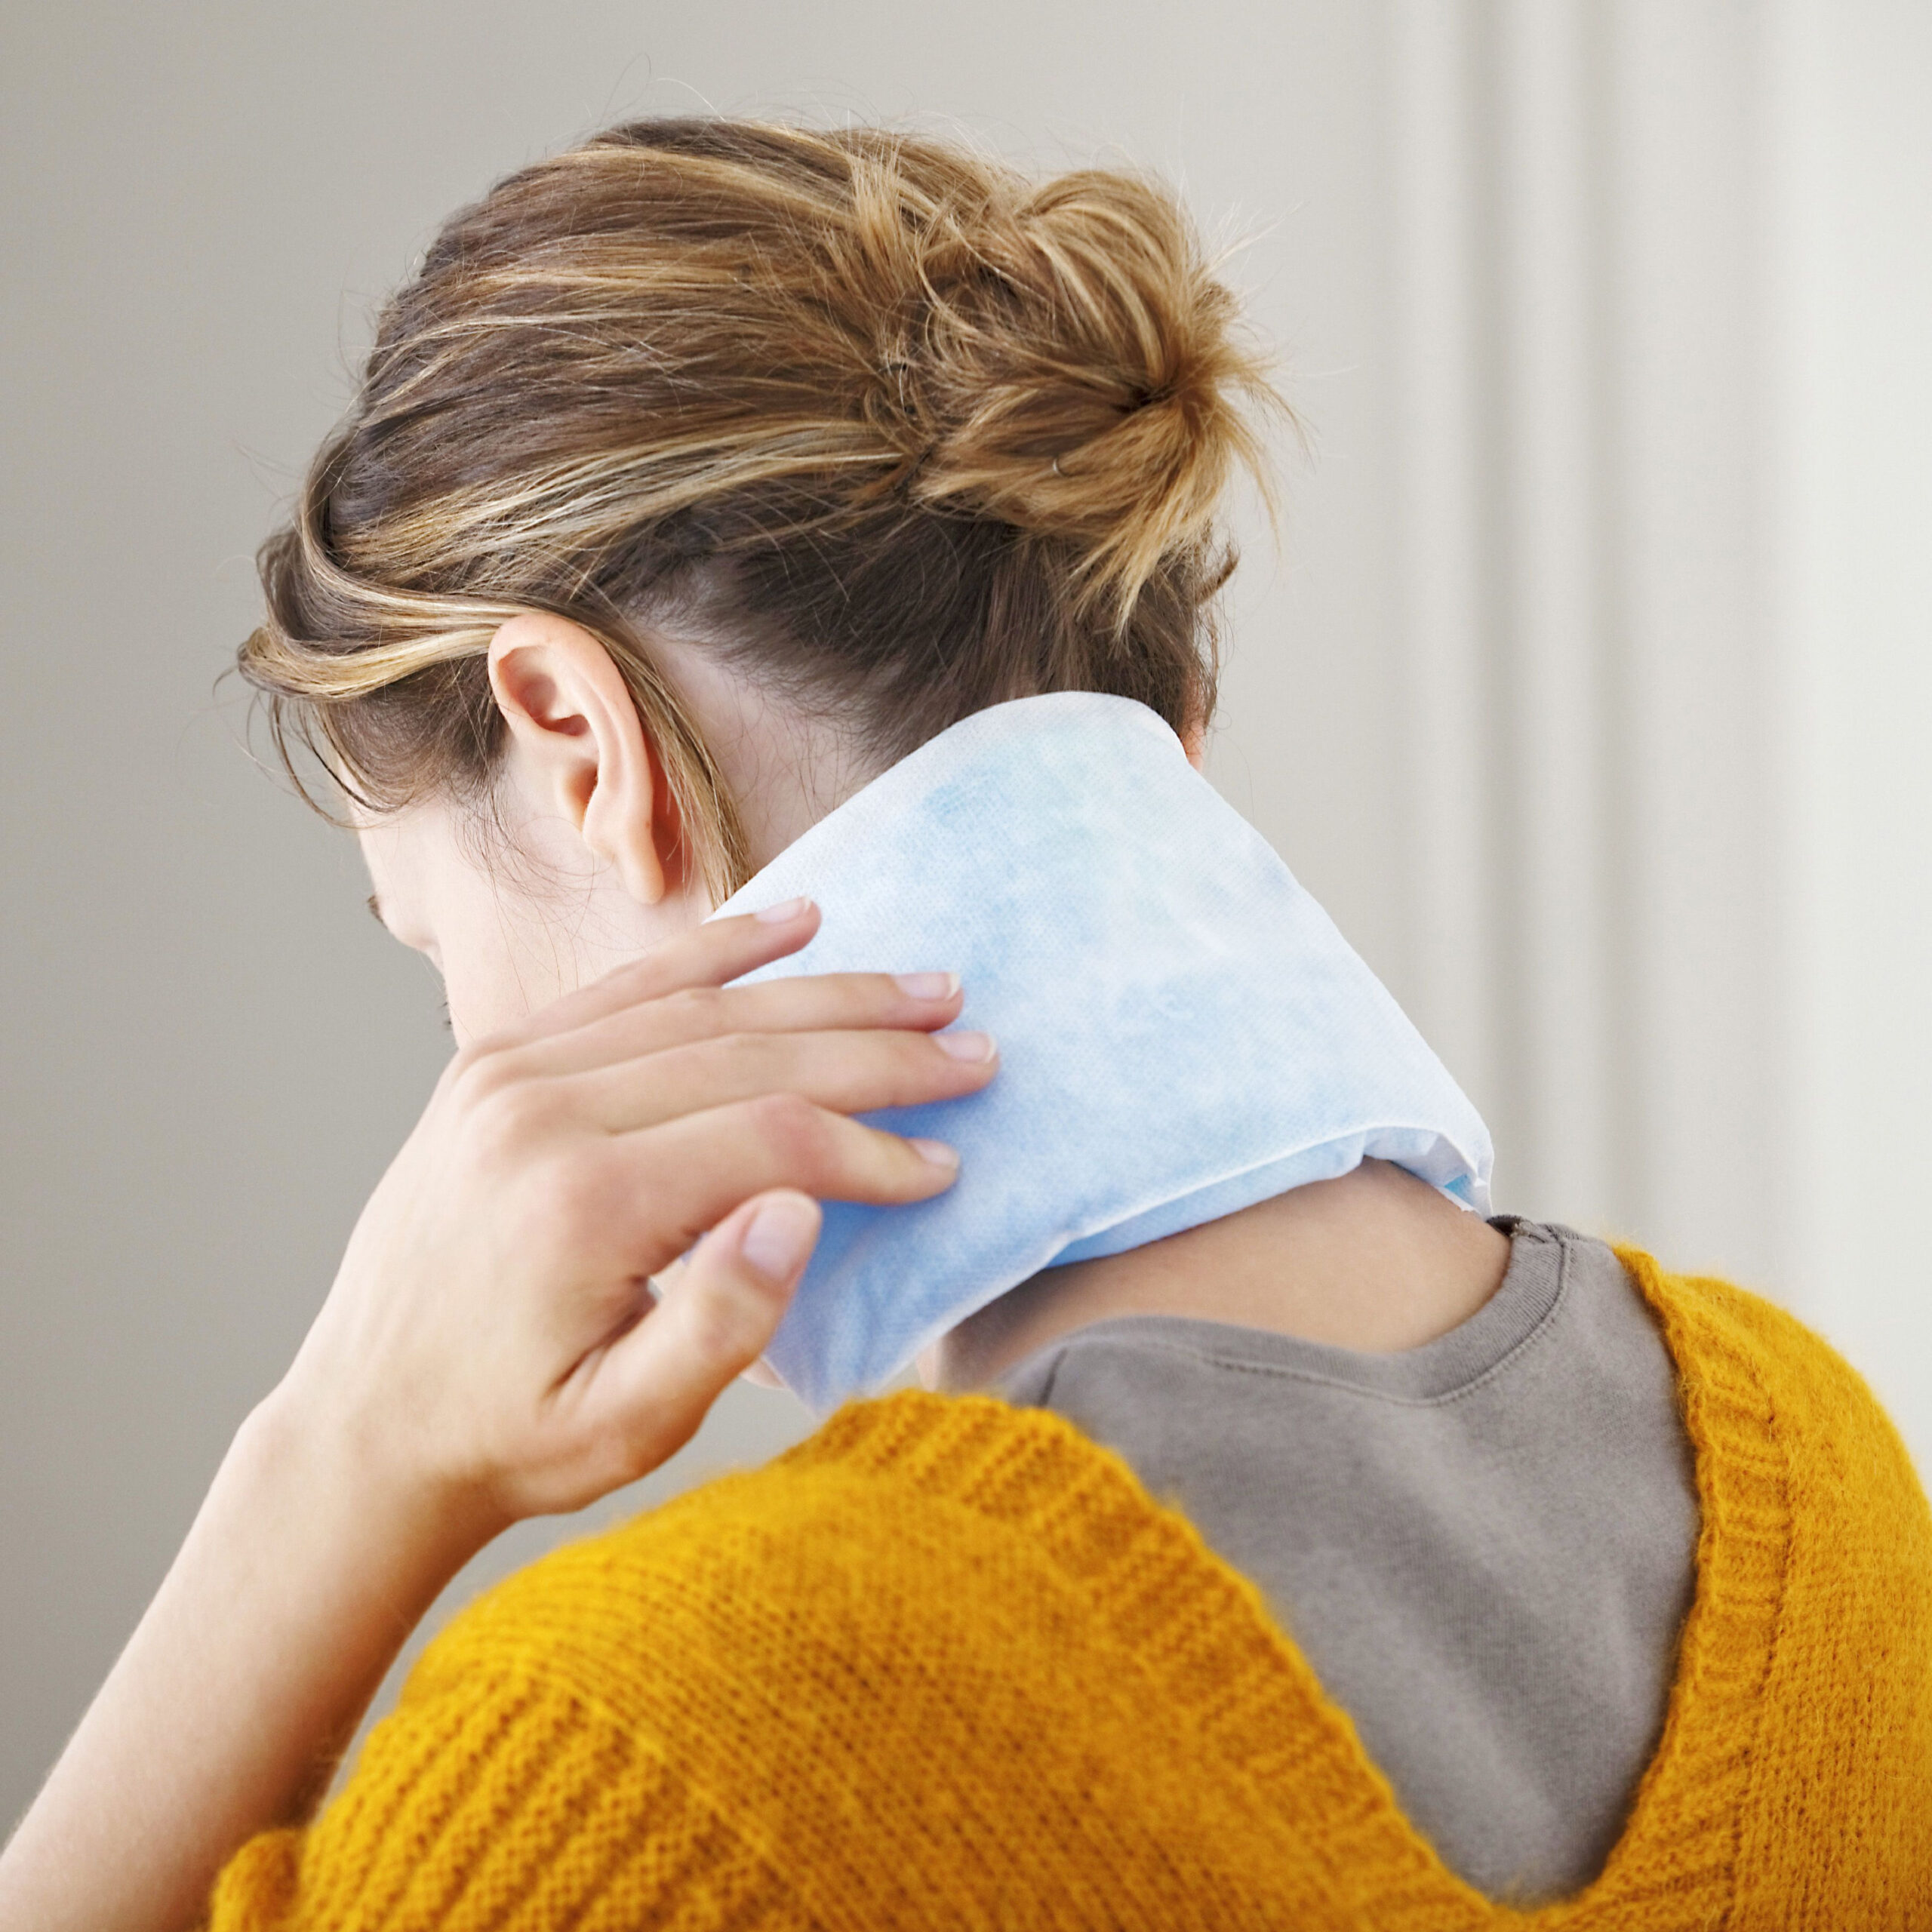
point(295, 1588)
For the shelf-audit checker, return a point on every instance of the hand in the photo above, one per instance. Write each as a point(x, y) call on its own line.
point(490, 1349)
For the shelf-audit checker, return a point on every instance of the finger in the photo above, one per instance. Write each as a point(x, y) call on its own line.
point(847, 1072)
point(662, 1187)
point(654, 1387)
point(704, 955)
point(818, 1003)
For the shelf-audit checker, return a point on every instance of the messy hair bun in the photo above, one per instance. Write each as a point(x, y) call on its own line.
point(1067, 362)
point(895, 427)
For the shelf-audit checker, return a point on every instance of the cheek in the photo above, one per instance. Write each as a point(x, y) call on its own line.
point(483, 995)
point(481, 939)
point(498, 956)
point(495, 972)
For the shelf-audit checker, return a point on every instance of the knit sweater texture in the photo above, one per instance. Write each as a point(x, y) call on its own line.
point(947, 1663)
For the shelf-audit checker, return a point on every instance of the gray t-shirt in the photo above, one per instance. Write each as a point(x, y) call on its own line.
point(1485, 1546)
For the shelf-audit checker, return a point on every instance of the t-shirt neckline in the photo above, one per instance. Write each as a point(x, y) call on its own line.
point(1532, 1289)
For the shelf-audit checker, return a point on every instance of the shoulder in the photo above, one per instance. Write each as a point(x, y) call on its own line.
point(647, 1726)
point(1724, 1337)
point(903, 1525)
point(794, 1682)
point(936, 1607)
point(1781, 1409)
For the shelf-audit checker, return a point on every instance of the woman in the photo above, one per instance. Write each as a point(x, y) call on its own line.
point(725, 504)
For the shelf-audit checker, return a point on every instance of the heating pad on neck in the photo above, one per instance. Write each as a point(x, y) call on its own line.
point(1183, 1031)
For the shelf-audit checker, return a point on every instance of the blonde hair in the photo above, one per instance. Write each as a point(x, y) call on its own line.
point(897, 428)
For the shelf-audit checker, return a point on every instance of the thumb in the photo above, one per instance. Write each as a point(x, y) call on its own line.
point(662, 1379)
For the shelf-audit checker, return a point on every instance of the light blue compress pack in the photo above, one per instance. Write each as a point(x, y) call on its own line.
point(1183, 1031)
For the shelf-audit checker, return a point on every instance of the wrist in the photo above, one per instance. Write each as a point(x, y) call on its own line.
point(353, 1499)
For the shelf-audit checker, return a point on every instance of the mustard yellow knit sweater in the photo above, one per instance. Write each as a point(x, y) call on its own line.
point(946, 1664)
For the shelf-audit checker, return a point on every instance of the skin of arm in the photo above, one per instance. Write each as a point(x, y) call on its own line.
point(490, 1350)
point(298, 1583)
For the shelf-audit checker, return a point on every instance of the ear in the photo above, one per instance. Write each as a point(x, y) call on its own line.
point(578, 749)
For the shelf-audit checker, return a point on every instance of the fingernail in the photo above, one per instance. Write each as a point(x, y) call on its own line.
point(965, 1046)
point(938, 1152)
point(776, 915)
point(779, 1237)
point(927, 986)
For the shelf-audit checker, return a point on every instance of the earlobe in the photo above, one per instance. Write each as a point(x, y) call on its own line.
point(577, 748)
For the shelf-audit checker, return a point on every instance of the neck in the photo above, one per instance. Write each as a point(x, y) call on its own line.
point(784, 767)
point(1377, 1261)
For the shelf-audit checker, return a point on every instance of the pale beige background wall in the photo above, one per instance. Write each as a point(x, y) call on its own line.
point(1590, 696)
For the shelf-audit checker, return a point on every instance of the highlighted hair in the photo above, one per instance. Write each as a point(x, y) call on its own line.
point(892, 427)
